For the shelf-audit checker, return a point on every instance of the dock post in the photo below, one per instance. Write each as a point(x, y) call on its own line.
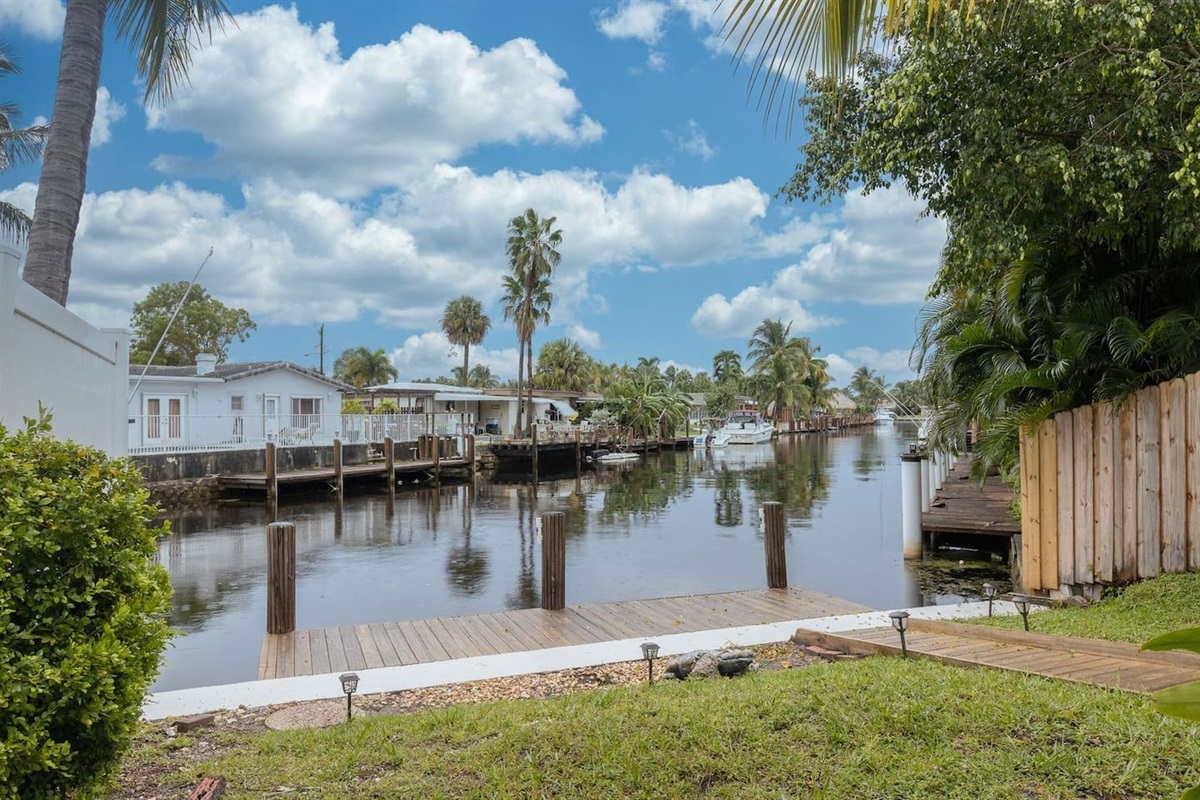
point(911, 498)
point(554, 560)
point(272, 473)
point(926, 481)
point(471, 453)
point(578, 453)
point(436, 442)
point(935, 473)
point(773, 533)
point(337, 464)
point(533, 429)
point(389, 462)
point(281, 577)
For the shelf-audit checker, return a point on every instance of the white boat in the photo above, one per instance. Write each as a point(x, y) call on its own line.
point(885, 416)
point(614, 458)
point(707, 439)
point(747, 427)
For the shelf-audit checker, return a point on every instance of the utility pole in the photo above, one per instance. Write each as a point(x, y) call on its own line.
point(321, 346)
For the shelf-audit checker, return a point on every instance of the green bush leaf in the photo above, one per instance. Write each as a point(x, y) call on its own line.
point(1186, 639)
point(1180, 701)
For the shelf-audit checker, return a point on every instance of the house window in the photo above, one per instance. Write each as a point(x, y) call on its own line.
point(237, 403)
point(306, 411)
point(237, 406)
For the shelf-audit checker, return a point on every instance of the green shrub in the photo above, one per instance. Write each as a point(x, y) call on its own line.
point(82, 613)
point(388, 406)
point(353, 407)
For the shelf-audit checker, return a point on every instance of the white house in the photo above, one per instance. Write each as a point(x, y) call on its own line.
point(488, 410)
point(230, 405)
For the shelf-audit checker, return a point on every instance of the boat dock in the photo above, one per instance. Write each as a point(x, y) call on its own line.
point(962, 514)
point(388, 644)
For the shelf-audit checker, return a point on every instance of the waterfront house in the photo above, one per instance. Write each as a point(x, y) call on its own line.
point(230, 405)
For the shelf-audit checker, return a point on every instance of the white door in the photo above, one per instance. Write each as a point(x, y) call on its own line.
point(162, 419)
point(270, 416)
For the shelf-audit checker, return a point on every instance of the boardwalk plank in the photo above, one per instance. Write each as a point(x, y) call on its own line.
point(383, 644)
point(337, 650)
point(370, 651)
point(354, 653)
point(404, 651)
point(451, 639)
point(272, 670)
point(303, 653)
point(320, 652)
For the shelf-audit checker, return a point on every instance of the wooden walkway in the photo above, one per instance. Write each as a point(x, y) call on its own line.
point(961, 507)
point(1090, 661)
point(389, 644)
point(376, 469)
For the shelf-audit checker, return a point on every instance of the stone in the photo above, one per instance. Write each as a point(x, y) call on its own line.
point(710, 664)
point(321, 714)
point(192, 723)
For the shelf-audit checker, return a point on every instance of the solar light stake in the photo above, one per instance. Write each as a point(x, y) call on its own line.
point(1022, 604)
point(900, 623)
point(349, 684)
point(649, 652)
point(989, 591)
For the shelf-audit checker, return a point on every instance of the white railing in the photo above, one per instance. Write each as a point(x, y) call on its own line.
point(204, 433)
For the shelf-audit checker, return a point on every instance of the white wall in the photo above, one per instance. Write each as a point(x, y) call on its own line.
point(49, 355)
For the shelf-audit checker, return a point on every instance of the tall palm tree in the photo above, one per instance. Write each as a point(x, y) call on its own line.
point(532, 249)
point(17, 146)
point(162, 33)
point(867, 389)
point(727, 366)
point(465, 324)
point(361, 367)
point(481, 376)
point(562, 365)
point(779, 364)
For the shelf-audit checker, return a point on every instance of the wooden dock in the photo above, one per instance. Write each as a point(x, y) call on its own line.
point(329, 474)
point(1090, 661)
point(962, 511)
point(388, 644)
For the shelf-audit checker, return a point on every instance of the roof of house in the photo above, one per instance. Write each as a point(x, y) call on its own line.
point(840, 400)
point(234, 370)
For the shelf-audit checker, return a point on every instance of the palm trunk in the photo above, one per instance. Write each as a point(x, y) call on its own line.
point(529, 383)
point(64, 163)
point(520, 375)
point(466, 358)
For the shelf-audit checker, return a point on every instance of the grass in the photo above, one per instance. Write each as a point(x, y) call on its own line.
point(1135, 614)
point(874, 728)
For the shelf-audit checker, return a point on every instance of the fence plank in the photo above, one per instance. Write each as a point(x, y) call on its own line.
point(1084, 522)
point(1192, 465)
point(1173, 507)
point(1048, 503)
point(1031, 556)
point(1104, 511)
point(1149, 519)
point(1125, 556)
point(1064, 425)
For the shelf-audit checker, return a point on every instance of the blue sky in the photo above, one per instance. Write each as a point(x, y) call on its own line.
point(355, 163)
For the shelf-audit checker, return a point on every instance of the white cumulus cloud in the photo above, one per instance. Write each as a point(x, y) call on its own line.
point(692, 140)
point(40, 19)
point(108, 111)
point(428, 355)
point(304, 114)
point(891, 365)
point(634, 19)
point(587, 338)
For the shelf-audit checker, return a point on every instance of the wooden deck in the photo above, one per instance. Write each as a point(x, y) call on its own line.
point(328, 474)
point(1097, 663)
point(961, 506)
point(389, 644)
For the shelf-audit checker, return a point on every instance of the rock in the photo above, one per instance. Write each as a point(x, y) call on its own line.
point(710, 663)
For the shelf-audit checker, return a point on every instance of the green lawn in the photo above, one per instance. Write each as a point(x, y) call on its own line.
point(1138, 613)
point(874, 728)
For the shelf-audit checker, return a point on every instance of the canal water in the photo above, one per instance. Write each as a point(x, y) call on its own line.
point(675, 523)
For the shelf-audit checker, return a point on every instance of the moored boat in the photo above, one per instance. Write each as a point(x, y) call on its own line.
point(747, 426)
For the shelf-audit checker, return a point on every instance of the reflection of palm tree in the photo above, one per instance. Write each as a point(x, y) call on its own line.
point(466, 569)
point(728, 499)
point(868, 459)
point(800, 482)
point(525, 594)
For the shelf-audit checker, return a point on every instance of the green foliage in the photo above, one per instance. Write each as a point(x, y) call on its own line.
point(388, 406)
point(562, 365)
point(721, 399)
point(82, 613)
point(645, 407)
point(204, 325)
point(361, 366)
point(17, 146)
point(465, 324)
point(1179, 701)
point(356, 407)
point(783, 370)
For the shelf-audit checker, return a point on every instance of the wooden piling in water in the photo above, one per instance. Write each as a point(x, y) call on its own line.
point(337, 465)
point(773, 531)
point(272, 473)
point(554, 561)
point(578, 454)
point(471, 453)
point(533, 428)
point(436, 442)
point(389, 463)
point(281, 577)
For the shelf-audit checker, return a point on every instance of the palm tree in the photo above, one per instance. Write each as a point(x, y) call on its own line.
point(481, 376)
point(465, 324)
point(361, 367)
point(533, 254)
point(562, 365)
point(779, 363)
point(162, 32)
point(867, 389)
point(727, 366)
point(17, 146)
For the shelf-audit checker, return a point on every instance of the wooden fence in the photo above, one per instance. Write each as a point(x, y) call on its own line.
point(1112, 494)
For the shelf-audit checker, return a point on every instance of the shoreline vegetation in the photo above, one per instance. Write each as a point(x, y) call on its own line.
point(799, 727)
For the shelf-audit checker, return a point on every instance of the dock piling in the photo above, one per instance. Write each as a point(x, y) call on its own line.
point(337, 465)
point(389, 463)
point(773, 535)
point(272, 473)
point(911, 499)
point(281, 577)
point(926, 482)
point(554, 560)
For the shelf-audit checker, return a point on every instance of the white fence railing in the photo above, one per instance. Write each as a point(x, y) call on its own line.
point(199, 433)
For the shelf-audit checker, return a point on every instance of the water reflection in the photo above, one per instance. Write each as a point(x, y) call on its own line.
point(675, 523)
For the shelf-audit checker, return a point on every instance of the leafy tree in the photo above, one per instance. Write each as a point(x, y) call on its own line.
point(17, 146)
point(701, 382)
point(720, 400)
point(361, 366)
point(727, 366)
point(1057, 141)
point(162, 32)
point(563, 365)
point(532, 250)
point(866, 388)
point(779, 365)
point(83, 607)
point(204, 325)
point(910, 395)
point(465, 324)
point(645, 406)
